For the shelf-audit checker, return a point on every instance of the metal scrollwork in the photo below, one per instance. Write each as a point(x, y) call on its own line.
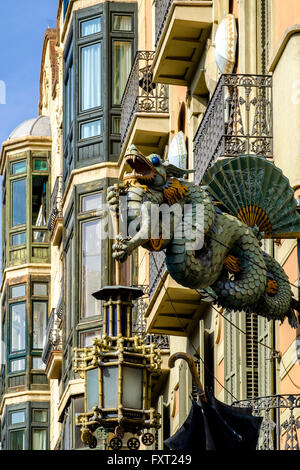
point(115, 443)
point(141, 93)
point(238, 121)
point(274, 433)
point(133, 443)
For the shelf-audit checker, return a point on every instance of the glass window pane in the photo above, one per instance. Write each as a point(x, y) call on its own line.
point(17, 440)
point(39, 324)
point(18, 202)
point(92, 202)
point(122, 62)
point(17, 365)
point(132, 387)
point(40, 288)
point(37, 363)
point(40, 236)
point(19, 167)
point(39, 200)
point(91, 76)
point(91, 266)
point(17, 417)
point(110, 387)
point(90, 27)
point(40, 416)
point(90, 129)
point(40, 165)
point(18, 291)
point(87, 338)
point(116, 126)
point(19, 239)
point(39, 439)
point(92, 388)
point(122, 23)
point(18, 327)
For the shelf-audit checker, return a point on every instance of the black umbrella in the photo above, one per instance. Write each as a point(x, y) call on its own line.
point(213, 425)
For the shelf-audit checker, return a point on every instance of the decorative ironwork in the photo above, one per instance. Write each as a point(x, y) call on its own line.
point(162, 8)
point(56, 203)
point(140, 325)
point(279, 426)
point(53, 337)
point(141, 93)
point(157, 267)
point(238, 120)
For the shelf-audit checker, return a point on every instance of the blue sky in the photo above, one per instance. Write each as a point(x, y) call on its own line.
point(22, 27)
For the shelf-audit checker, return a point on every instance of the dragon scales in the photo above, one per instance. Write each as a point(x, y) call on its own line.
point(230, 266)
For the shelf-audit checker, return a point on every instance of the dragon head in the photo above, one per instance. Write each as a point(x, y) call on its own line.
point(150, 171)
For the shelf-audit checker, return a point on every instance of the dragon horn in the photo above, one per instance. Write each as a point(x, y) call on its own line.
point(191, 363)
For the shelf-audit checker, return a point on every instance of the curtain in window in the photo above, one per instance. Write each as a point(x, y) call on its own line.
point(17, 440)
point(122, 23)
point(90, 27)
point(90, 129)
point(39, 439)
point(91, 76)
point(39, 324)
point(122, 61)
point(18, 320)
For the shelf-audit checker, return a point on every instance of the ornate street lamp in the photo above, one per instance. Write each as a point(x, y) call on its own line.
point(117, 372)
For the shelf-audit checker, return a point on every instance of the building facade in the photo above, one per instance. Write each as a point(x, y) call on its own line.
point(116, 73)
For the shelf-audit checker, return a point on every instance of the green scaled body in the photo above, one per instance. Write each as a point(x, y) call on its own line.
point(244, 199)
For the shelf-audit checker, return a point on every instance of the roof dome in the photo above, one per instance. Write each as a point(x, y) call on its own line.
point(39, 126)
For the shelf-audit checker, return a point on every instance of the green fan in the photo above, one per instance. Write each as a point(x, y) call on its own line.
point(255, 191)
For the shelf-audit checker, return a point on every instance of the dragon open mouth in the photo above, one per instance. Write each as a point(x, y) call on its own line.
point(143, 171)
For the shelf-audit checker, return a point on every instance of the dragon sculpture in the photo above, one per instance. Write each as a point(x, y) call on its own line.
point(230, 266)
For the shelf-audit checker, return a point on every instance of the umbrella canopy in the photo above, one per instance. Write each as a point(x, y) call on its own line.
point(213, 425)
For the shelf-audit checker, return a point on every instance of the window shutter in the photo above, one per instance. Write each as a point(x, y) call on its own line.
point(231, 358)
point(265, 362)
point(251, 355)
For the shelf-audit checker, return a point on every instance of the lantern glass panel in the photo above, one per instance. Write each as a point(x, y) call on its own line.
point(110, 387)
point(132, 388)
point(92, 388)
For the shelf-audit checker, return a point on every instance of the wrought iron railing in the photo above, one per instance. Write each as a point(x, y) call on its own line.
point(279, 429)
point(56, 203)
point(141, 94)
point(157, 268)
point(162, 8)
point(53, 337)
point(238, 120)
point(140, 324)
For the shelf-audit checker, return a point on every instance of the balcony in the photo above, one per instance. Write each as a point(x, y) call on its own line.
point(238, 121)
point(280, 426)
point(55, 219)
point(145, 109)
point(182, 29)
point(52, 352)
point(173, 309)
